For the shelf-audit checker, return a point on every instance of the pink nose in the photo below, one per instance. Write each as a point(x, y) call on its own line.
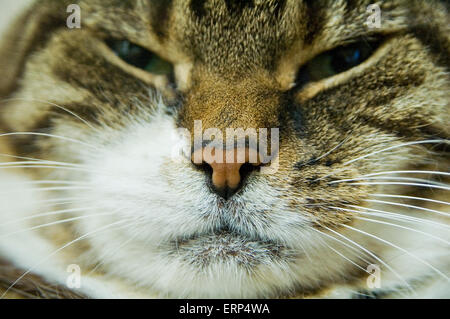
point(226, 171)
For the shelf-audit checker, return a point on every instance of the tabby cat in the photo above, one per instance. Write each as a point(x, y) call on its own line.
point(99, 197)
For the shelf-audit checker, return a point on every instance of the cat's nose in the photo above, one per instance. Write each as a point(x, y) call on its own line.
point(227, 168)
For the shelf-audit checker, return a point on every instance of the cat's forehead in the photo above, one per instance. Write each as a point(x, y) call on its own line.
point(238, 33)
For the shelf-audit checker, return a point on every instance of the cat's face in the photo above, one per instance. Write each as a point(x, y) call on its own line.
point(344, 96)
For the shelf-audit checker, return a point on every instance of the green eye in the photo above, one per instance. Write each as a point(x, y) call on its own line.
point(334, 62)
point(140, 57)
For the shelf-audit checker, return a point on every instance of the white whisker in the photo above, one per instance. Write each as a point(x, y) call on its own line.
point(53, 223)
point(397, 146)
point(394, 178)
point(53, 104)
point(383, 150)
point(55, 189)
point(49, 166)
point(401, 183)
point(343, 256)
point(403, 227)
point(34, 162)
point(412, 197)
point(373, 255)
point(399, 248)
point(387, 223)
point(399, 216)
point(65, 138)
point(333, 149)
point(58, 250)
point(56, 212)
point(50, 182)
point(408, 206)
point(102, 257)
point(409, 172)
point(355, 250)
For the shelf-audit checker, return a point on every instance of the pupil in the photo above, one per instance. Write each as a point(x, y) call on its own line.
point(354, 58)
point(133, 54)
point(346, 60)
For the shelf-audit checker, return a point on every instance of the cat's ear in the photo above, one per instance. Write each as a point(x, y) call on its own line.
point(24, 36)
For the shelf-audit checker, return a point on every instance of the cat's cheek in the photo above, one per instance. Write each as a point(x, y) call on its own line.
point(136, 178)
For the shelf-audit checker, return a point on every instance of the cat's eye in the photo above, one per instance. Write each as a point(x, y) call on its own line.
point(140, 57)
point(335, 61)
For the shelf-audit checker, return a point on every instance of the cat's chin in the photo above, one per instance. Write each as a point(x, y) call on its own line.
point(227, 246)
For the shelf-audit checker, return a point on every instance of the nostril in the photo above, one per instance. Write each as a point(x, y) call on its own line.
point(246, 169)
point(205, 167)
point(225, 176)
point(227, 192)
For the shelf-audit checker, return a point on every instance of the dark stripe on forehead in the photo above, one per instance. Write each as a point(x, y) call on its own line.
point(236, 7)
point(315, 19)
point(437, 43)
point(198, 8)
point(279, 8)
point(159, 16)
point(351, 5)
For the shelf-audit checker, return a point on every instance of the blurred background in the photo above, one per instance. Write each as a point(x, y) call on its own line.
point(9, 9)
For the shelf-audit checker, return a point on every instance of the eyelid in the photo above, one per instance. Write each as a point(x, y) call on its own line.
point(159, 81)
point(313, 88)
point(144, 60)
point(376, 39)
point(372, 44)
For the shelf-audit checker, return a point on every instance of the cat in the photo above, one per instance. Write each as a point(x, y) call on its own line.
point(101, 198)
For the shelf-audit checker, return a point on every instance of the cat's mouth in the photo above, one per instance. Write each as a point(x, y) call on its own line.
point(225, 245)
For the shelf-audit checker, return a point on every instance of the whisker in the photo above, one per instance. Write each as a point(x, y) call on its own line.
point(31, 158)
point(401, 183)
point(53, 104)
point(409, 172)
point(101, 257)
point(56, 188)
point(355, 250)
point(65, 138)
point(412, 197)
point(399, 248)
point(389, 178)
point(54, 223)
point(343, 256)
point(383, 150)
point(50, 166)
point(387, 223)
point(399, 216)
point(61, 202)
point(58, 250)
point(38, 161)
point(50, 182)
point(333, 149)
point(408, 206)
point(397, 146)
point(56, 212)
point(373, 255)
point(403, 227)
point(33, 162)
